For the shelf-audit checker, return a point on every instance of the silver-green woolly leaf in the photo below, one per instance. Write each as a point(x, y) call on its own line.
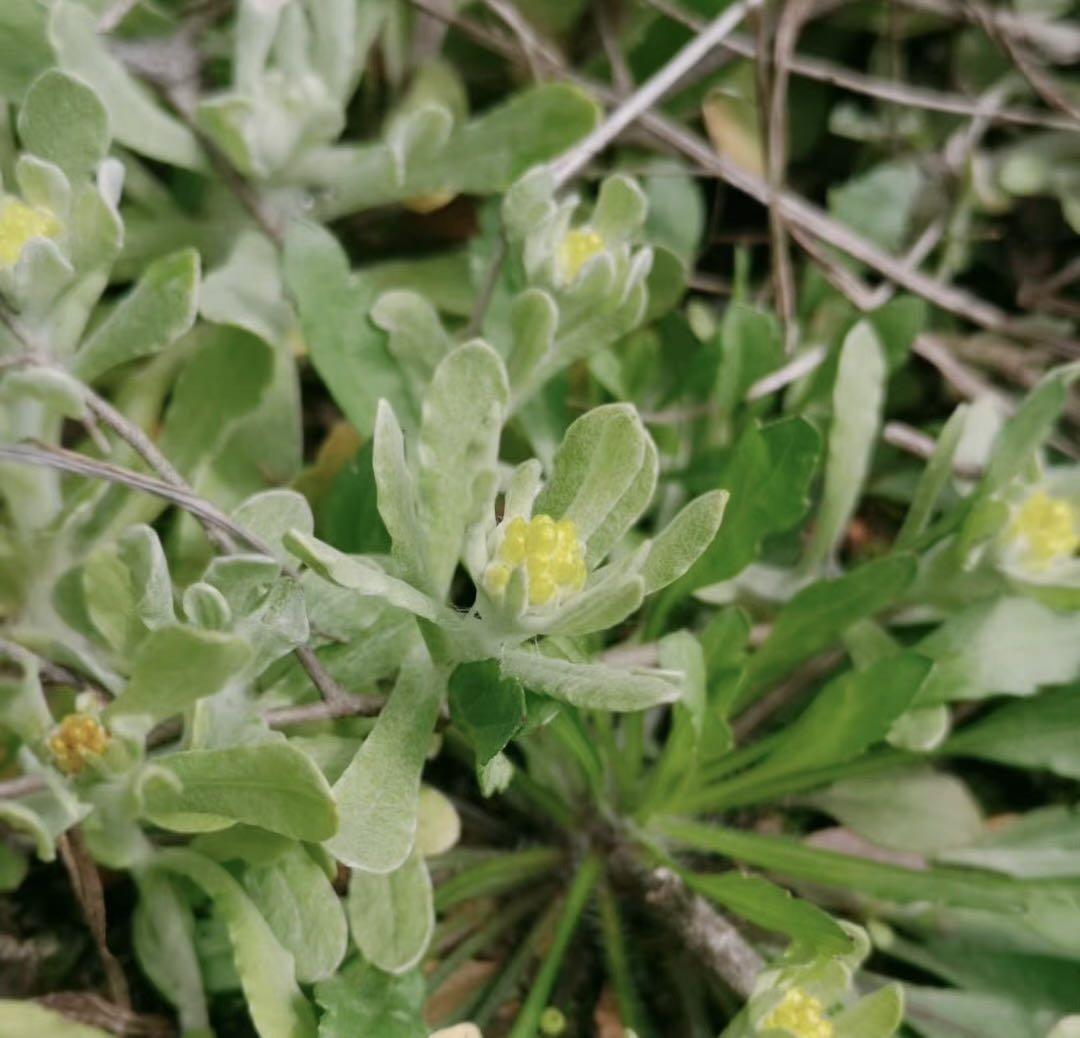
point(681, 543)
point(378, 793)
point(602, 477)
point(1009, 645)
point(462, 419)
point(415, 335)
point(361, 574)
point(163, 934)
point(266, 971)
point(297, 900)
point(391, 915)
point(174, 666)
point(63, 122)
point(593, 686)
point(397, 494)
point(271, 514)
point(271, 785)
point(597, 608)
point(858, 397)
point(137, 122)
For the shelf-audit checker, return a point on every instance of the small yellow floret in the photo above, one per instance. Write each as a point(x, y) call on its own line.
point(19, 225)
point(550, 551)
point(800, 1014)
point(78, 738)
point(575, 250)
point(1048, 526)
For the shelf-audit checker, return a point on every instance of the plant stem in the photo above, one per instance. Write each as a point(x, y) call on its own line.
point(536, 1001)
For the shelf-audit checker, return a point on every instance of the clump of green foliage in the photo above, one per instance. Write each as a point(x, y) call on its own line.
point(427, 610)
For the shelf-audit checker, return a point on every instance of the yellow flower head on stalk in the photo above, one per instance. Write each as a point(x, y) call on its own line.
point(575, 250)
point(800, 1014)
point(19, 225)
point(78, 737)
point(550, 551)
point(1048, 528)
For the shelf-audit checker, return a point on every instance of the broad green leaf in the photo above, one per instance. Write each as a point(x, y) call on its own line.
point(593, 686)
point(912, 809)
point(850, 714)
point(682, 542)
point(348, 351)
point(488, 707)
point(391, 915)
point(154, 314)
point(63, 122)
point(857, 401)
point(463, 414)
point(277, 1006)
point(767, 477)
point(1038, 845)
point(363, 1000)
point(163, 934)
point(297, 900)
point(349, 516)
point(378, 793)
point(26, 1019)
point(270, 785)
point(360, 574)
point(1036, 733)
point(1011, 645)
point(766, 905)
point(137, 121)
point(174, 666)
point(819, 614)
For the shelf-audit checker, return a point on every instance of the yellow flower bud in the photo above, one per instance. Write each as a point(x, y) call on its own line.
point(1048, 528)
point(19, 225)
point(78, 737)
point(553, 557)
point(575, 250)
point(799, 1014)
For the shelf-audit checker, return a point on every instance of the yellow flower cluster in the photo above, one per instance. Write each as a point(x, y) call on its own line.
point(575, 250)
point(800, 1014)
point(1048, 526)
point(78, 738)
point(20, 224)
point(550, 551)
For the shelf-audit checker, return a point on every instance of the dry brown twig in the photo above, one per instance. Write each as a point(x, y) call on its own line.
point(86, 884)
